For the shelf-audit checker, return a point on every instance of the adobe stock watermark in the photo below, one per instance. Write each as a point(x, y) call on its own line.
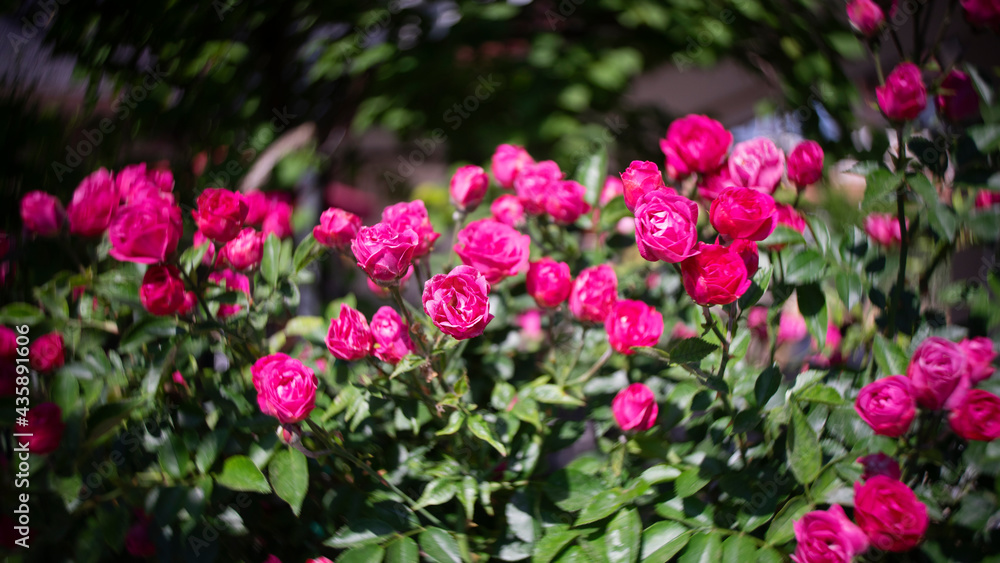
point(39, 21)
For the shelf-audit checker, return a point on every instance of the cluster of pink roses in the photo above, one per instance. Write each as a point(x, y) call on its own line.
point(867, 17)
point(350, 337)
point(45, 354)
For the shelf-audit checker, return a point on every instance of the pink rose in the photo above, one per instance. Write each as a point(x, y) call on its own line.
point(507, 163)
point(384, 253)
point(565, 203)
point(188, 305)
point(231, 281)
point(889, 513)
point(46, 352)
point(530, 322)
point(715, 276)
point(210, 258)
point(982, 13)
point(757, 164)
point(349, 337)
point(884, 229)
point(337, 228)
point(549, 282)
point(957, 100)
point(887, 405)
point(412, 215)
point(747, 249)
point(8, 343)
point(41, 213)
point(904, 95)
point(508, 210)
point(278, 220)
point(639, 179)
point(257, 207)
point(682, 331)
point(827, 536)
point(286, 389)
point(246, 250)
point(534, 183)
point(976, 416)
point(493, 248)
point(713, 183)
point(46, 427)
point(632, 323)
point(594, 293)
point(986, 199)
point(137, 542)
point(666, 226)
point(979, 357)
point(757, 322)
point(635, 408)
point(879, 464)
point(935, 371)
point(865, 16)
point(220, 214)
point(792, 326)
point(695, 143)
point(468, 187)
point(613, 187)
point(391, 337)
point(458, 302)
point(162, 290)
point(384, 292)
point(146, 231)
point(805, 164)
point(789, 216)
point(134, 183)
point(94, 204)
point(743, 213)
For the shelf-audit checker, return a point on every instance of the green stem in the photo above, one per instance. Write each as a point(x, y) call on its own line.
point(459, 218)
point(904, 243)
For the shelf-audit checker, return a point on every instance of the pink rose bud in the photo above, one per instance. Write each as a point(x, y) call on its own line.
point(319, 560)
point(458, 303)
point(890, 514)
point(887, 405)
point(565, 202)
point(137, 542)
point(508, 210)
point(747, 249)
point(41, 213)
point(549, 282)
point(246, 250)
point(790, 217)
point(613, 187)
point(884, 229)
point(530, 322)
point(145, 232)
point(220, 214)
point(46, 427)
point(904, 95)
point(534, 183)
point(666, 226)
point(986, 199)
point(633, 323)
point(865, 16)
point(805, 164)
point(977, 416)
point(468, 187)
point(715, 276)
point(412, 215)
point(231, 281)
point(635, 408)
point(178, 378)
point(94, 204)
point(695, 143)
point(985, 13)
point(757, 164)
point(493, 248)
point(743, 213)
point(257, 207)
point(278, 220)
point(286, 389)
point(639, 179)
point(937, 367)
point(958, 100)
point(384, 253)
point(979, 356)
point(46, 352)
point(594, 293)
point(508, 161)
point(792, 326)
point(757, 322)
point(162, 290)
point(349, 337)
point(713, 183)
point(879, 464)
point(827, 536)
point(390, 335)
point(384, 292)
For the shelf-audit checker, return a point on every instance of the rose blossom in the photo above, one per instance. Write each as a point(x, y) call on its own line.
point(534, 183)
point(349, 337)
point(613, 187)
point(94, 204)
point(789, 216)
point(935, 371)
point(146, 231)
point(986, 199)
point(162, 290)
point(982, 13)
point(695, 143)
point(565, 203)
point(640, 178)
point(791, 326)
point(889, 513)
point(743, 213)
point(384, 253)
point(757, 164)
point(865, 16)
point(715, 276)
point(958, 100)
point(337, 228)
point(257, 207)
point(757, 322)
point(493, 248)
point(713, 183)
point(45, 426)
point(468, 187)
point(390, 336)
point(508, 210)
point(46, 353)
point(278, 220)
point(594, 293)
point(635, 408)
point(507, 163)
point(549, 282)
point(134, 182)
point(210, 258)
point(530, 322)
point(904, 95)
point(384, 292)
point(458, 302)
point(977, 416)
point(412, 215)
point(231, 281)
point(220, 214)
point(246, 250)
point(879, 464)
point(41, 213)
point(632, 323)
point(747, 249)
point(666, 226)
point(979, 357)
point(286, 389)
point(884, 229)
point(887, 405)
point(137, 542)
point(827, 536)
point(188, 305)
point(805, 164)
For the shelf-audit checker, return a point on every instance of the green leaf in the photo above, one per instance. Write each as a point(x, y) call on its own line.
point(757, 289)
point(660, 474)
point(270, 262)
point(986, 136)
point(571, 490)
point(191, 258)
point(403, 550)
point(455, 421)
point(820, 394)
point(690, 482)
point(439, 546)
point(766, 385)
point(703, 548)
point(365, 554)
point(592, 172)
point(360, 532)
point(622, 539)
point(20, 313)
point(663, 540)
point(942, 218)
point(469, 490)
point(552, 543)
point(738, 549)
point(781, 529)
point(519, 519)
point(891, 359)
point(485, 432)
point(601, 506)
point(304, 254)
point(850, 288)
point(690, 350)
point(240, 474)
point(554, 395)
point(66, 392)
point(783, 235)
point(812, 305)
point(438, 491)
point(107, 417)
point(147, 330)
point(407, 364)
point(289, 472)
point(174, 458)
point(805, 457)
point(208, 449)
point(805, 266)
point(880, 189)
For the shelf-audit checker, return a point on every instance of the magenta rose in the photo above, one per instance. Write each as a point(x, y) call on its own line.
point(220, 214)
point(715, 276)
point(41, 213)
point(747, 249)
point(162, 290)
point(46, 352)
point(982, 13)
point(246, 250)
point(458, 302)
point(257, 207)
point(805, 164)
point(286, 389)
point(635, 408)
point(390, 336)
point(46, 427)
point(508, 210)
point(632, 323)
point(639, 179)
point(743, 213)
point(904, 95)
point(884, 229)
point(613, 187)
point(507, 163)
point(8, 343)
point(889, 513)
point(412, 215)
point(231, 281)
point(349, 337)
point(534, 183)
point(493, 248)
point(210, 258)
point(565, 202)
point(695, 143)
point(188, 305)
point(957, 100)
point(278, 220)
point(827, 536)
point(757, 164)
point(135, 182)
point(986, 199)
point(887, 405)
point(790, 217)
point(137, 542)
point(594, 293)
point(666, 226)
point(935, 371)
point(713, 183)
point(468, 187)
point(879, 464)
point(976, 416)
point(337, 228)
point(549, 282)
point(979, 357)
point(94, 204)
point(146, 231)
point(865, 16)
point(384, 292)
point(384, 253)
